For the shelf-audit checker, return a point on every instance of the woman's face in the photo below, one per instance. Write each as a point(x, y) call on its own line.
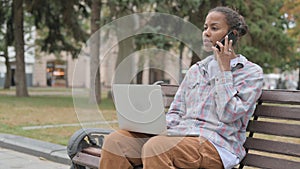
point(215, 28)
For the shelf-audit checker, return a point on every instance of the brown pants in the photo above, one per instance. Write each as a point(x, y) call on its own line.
point(123, 150)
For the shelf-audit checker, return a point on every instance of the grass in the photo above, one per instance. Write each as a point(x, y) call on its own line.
point(45, 107)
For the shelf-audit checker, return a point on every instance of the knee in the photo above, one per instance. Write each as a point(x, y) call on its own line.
point(160, 144)
point(115, 137)
point(153, 146)
point(114, 141)
point(153, 142)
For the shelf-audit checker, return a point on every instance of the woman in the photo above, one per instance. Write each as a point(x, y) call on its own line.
point(215, 101)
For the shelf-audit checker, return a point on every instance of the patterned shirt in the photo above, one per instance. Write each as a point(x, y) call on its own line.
point(217, 108)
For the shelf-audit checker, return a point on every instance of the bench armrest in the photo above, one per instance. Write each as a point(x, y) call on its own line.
point(86, 137)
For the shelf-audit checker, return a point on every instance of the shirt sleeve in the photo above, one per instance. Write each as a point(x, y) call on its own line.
point(178, 107)
point(236, 98)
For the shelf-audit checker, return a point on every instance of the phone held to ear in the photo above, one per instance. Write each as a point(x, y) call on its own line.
point(231, 36)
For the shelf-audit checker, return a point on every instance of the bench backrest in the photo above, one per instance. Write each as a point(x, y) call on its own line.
point(274, 131)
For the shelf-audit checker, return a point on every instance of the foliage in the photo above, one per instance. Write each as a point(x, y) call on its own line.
point(266, 44)
point(153, 39)
point(6, 31)
point(290, 12)
point(59, 24)
point(270, 43)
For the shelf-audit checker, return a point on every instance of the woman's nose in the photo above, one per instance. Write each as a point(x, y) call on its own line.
point(206, 32)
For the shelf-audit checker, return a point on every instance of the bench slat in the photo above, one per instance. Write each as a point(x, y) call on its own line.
point(169, 90)
point(281, 96)
point(279, 129)
point(291, 113)
point(273, 146)
point(269, 162)
point(86, 160)
point(92, 151)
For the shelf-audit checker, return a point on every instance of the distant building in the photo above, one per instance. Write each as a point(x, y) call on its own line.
point(29, 64)
point(29, 58)
point(50, 70)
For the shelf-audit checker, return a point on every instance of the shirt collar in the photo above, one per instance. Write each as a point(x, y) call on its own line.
point(235, 63)
point(238, 62)
point(240, 59)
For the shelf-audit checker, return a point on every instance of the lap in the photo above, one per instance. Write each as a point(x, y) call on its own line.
point(185, 152)
point(164, 143)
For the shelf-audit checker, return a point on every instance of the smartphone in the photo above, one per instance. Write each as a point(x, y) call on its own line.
point(231, 36)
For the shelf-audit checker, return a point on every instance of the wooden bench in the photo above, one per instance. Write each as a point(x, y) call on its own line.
point(273, 134)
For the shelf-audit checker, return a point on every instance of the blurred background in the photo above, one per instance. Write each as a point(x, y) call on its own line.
point(41, 42)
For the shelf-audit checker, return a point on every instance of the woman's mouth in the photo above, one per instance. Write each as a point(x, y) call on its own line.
point(207, 42)
point(207, 45)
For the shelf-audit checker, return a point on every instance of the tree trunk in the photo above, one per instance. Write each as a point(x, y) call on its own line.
point(124, 70)
point(298, 87)
point(125, 62)
point(7, 82)
point(95, 81)
point(21, 86)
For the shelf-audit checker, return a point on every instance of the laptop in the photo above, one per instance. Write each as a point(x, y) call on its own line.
point(140, 108)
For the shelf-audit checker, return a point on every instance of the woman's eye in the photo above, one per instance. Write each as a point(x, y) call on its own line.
point(214, 28)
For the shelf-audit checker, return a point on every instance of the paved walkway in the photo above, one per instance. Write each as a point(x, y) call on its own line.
point(17, 152)
point(10, 159)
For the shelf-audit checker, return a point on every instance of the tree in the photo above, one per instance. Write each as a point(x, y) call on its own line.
point(265, 23)
point(6, 33)
point(95, 86)
point(59, 24)
point(126, 46)
point(18, 17)
point(290, 12)
point(194, 10)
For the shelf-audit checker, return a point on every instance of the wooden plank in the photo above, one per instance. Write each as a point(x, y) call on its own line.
point(292, 113)
point(281, 96)
point(169, 90)
point(291, 149)
point(92, 151)
point(97, 131)
point(279, 129)
point(86, 160)
point(260, 161)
